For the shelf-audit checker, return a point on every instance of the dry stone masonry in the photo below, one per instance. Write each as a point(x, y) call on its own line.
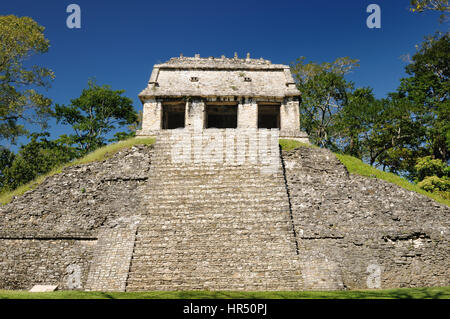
point(351, 226)
point(215, 205)
point(55, 233)
point(156, 225)
point(214, 226)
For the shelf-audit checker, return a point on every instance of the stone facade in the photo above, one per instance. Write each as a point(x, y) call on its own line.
point(111, 263)
point(56, 233)
point(28, 261)
point(349, 225)
point(139, 221)
point(214, 224)
point(245, 84)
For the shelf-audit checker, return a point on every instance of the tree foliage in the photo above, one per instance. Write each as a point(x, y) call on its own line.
point(37, 157)
point(324, 93)
point(391, 133)
point(434, 184)
point(433, 175)
point(427, 166)
point(20, 39)
point(355, 122)
point(98, 111)
point(433, 5)
point(428, 89)
point(6, 160)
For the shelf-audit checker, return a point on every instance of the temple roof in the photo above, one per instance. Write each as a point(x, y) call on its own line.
point(210, 77)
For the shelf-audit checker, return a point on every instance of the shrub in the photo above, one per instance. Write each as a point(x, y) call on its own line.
point(434, 184)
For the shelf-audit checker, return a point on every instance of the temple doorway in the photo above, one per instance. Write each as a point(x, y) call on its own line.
point(221, 116)
point(268, 116)
point(173, 116)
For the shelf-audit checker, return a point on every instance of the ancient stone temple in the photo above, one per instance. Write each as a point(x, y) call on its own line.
point(201, 93)
point(218, 205)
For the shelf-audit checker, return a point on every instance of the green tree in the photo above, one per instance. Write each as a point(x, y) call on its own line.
point(20, 39)
point(428, 89)
point(133, 128)
point(427, 166)
point(433, 5)
point(396, 139)
point(37, 157)
point(433, 175)
point(413, 122)
point(356, 118)
point(6, 160)
point(324, 93)
point(98, 111)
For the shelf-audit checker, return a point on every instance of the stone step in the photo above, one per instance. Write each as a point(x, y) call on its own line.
point(240, 231)
point(193, 211)
point(243, 173)
point(203, 188)
point(214, 226)
point(222, 196)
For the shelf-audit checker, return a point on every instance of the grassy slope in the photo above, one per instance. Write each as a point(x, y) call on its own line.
point(98, 155)
point(356, 166)
point(410, 293)
point(289, 145)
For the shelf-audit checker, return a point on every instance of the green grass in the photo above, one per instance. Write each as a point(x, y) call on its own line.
point(98, 155)
point(289, 145)
point(402, 293)
point(356, 166)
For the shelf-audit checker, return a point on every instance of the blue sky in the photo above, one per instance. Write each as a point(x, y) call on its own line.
point(120, 41)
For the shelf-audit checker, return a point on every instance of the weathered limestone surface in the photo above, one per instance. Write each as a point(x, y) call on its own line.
point(46, 261)
point(220, 77)
point(245, 83)
point(290, 116)
point(248, 114)
point(214, 226)
point(152, 115)
point(138, 221)
point(111, 262)
point(51, 234)
point(346, 223)
point(195, 114)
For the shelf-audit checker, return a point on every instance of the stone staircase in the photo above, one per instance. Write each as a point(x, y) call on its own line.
point(214, 225)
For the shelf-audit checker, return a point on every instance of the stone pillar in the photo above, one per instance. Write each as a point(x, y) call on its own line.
point(248, 114)
point(151, 117)
point(290, 121)
point(195, 115)
point(289, 115)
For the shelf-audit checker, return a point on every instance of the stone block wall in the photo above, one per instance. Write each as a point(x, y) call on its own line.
point(111, 262)
point(195, 115)
point(151, 117)
point(50, 235)
point(25, 262)
point(141, 221)
point(212, 224)
point(289, 115)
point(352, 228)
point(248, 114)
